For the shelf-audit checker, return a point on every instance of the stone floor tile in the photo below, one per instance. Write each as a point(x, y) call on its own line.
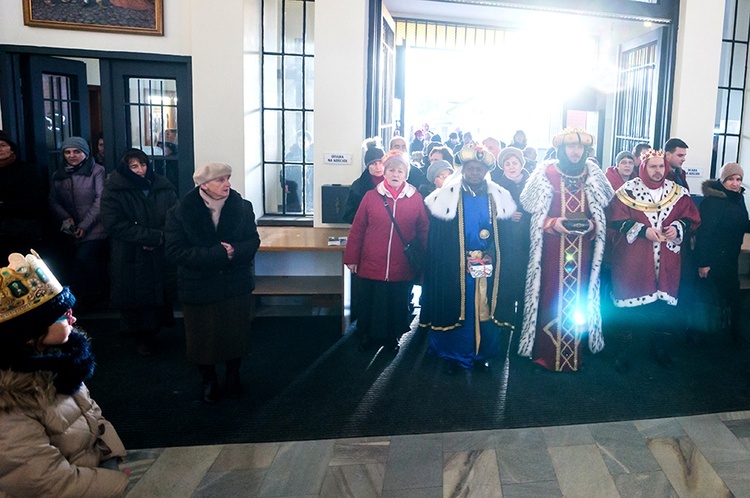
point(546, 489)
point(231, 483)
point(298, 469)
point(471, 473)
point(522, 456)
point(581, 471)
point(360, 451)
point(687, 469)
point(568, 435)
point(659, 428)
point(434, 492)
point(739, 427)
point(469, 441)
point(245, 457)
point(736, 475)
point(353, 481)
point(645, 485)
point(176, 473)
point(137, 463)
point(714, 440)
point(414, 462)
point(739, 415)
point(623, 448)
point(521, 438)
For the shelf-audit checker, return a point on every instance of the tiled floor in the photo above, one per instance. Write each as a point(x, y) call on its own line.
point(697, 456)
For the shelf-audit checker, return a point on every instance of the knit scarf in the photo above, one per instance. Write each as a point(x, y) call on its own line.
point(214, 206)
point(67, 170)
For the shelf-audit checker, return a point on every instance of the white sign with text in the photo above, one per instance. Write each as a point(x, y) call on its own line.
point(337, 158)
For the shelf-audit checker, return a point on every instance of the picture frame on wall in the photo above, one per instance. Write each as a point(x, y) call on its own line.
point(142, 17)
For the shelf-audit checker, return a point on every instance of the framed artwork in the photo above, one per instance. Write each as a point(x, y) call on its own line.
point(142, 17)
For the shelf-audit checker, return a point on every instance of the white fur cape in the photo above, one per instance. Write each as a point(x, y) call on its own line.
point(443, 202)
point(536, 199)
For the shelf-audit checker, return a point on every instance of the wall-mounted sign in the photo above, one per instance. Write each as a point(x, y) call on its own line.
point(694, 172)
point(337, 158)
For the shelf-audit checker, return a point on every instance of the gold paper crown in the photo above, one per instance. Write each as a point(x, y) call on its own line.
point(652, 153)
point(25, 284)
point(471, 152)
point(570, 136)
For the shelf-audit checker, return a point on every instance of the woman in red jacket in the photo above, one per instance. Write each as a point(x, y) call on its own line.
point(375, 253)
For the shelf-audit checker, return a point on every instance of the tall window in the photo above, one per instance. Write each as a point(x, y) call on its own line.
point(287, 103)
point(152, 115)
point(731, 98)
point(58, 101)
point(637, 92)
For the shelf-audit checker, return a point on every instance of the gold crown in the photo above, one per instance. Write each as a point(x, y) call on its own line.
point(652, 153)
point(570, 136)
point(471, 152)
point(25, 284)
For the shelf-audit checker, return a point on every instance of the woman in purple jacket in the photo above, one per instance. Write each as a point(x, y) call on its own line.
point(375, 253)
point(74, 202)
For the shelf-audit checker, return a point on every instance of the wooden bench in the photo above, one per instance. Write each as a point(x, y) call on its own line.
point(325, 290)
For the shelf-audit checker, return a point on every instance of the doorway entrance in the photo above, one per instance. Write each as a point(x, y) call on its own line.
point(540, 69)
point(127, 100)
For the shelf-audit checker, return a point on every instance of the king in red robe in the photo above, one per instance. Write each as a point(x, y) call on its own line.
point(567, 198)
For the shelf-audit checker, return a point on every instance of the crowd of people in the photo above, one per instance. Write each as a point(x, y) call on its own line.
point(132, 223)
point(502, 246)
point(538, 250)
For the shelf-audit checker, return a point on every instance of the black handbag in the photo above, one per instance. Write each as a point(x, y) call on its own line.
point(412, 250)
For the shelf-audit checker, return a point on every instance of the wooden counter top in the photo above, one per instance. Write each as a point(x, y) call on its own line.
point(275, 238)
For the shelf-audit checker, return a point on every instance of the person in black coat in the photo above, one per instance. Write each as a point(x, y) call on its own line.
point(724, 222)
point(213, 238)
point(23, 201)
point(370, 177)
point(513, 177)
point(134, 209)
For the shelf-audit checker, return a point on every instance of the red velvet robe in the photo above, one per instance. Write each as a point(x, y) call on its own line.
point(566, 266)
point(644, 271)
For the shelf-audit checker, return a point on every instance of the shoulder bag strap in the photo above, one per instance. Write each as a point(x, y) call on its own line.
point(398, 230)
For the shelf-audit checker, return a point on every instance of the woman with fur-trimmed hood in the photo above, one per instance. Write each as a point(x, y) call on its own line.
point(53, 438)
point(465, 301)
point(718, 241)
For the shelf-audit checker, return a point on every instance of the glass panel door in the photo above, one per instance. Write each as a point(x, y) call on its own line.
point(152, 116)
point(59, 102)
point(151, 110)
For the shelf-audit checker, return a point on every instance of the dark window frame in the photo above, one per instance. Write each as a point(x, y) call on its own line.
point(306, 163)
point(721, 136)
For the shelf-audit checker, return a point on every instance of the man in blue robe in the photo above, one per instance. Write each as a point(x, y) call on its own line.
point(464, 302)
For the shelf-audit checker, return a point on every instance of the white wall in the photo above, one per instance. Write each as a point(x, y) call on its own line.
point(696, 81)
point(340, 82)
point(216, 47)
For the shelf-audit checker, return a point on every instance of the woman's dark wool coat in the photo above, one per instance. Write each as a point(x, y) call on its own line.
point(205, 274)
point(134, 220)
